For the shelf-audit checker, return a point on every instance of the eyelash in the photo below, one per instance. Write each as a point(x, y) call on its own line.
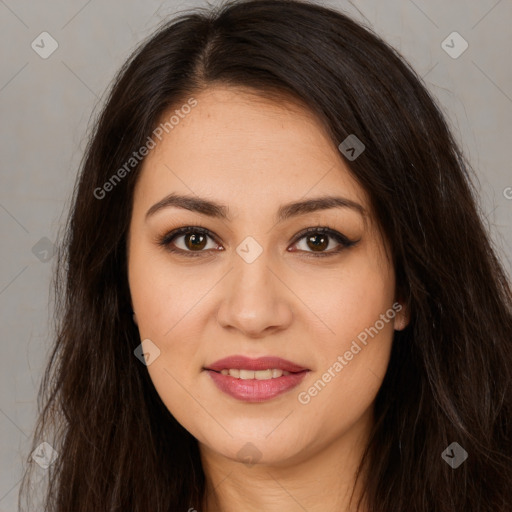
point(165, 240)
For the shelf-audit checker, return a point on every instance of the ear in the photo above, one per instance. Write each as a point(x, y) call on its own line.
point(402, 317)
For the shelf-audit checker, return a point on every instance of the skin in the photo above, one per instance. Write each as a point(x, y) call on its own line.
point(253, 155)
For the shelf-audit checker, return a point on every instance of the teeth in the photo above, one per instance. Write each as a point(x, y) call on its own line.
point(246, 374)
point(271, 373)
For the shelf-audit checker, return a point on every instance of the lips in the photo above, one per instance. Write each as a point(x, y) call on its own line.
point(254, 390)
point(261, 363)
point(248, 389)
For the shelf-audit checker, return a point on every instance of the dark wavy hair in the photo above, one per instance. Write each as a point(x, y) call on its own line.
point(450, 373)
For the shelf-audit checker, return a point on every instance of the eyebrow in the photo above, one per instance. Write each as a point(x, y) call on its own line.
point(220, 211)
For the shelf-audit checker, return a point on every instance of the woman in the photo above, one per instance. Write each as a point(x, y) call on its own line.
point(276, 292)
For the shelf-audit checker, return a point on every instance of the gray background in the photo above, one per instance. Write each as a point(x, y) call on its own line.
point(46, 105)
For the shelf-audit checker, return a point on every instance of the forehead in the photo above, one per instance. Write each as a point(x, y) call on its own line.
point(246, 151)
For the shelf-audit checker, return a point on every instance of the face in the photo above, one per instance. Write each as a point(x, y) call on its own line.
point(249, 281)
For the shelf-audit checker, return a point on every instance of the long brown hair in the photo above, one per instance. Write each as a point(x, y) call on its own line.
point(450, 374)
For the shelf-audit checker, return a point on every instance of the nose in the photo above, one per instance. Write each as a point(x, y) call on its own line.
point(255, 299)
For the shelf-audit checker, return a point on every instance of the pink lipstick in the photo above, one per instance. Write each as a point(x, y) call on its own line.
point(255, 380)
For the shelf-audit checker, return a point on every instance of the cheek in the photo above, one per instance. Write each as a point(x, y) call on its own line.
point(164, 303)
point(347, 300)
point(350, 370)
point(164, 297)
point(354, 338)
point(168, 313)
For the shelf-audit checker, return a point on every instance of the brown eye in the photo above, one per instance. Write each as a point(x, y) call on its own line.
point(318, 240)
point(194, 241)
point(190, 241)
